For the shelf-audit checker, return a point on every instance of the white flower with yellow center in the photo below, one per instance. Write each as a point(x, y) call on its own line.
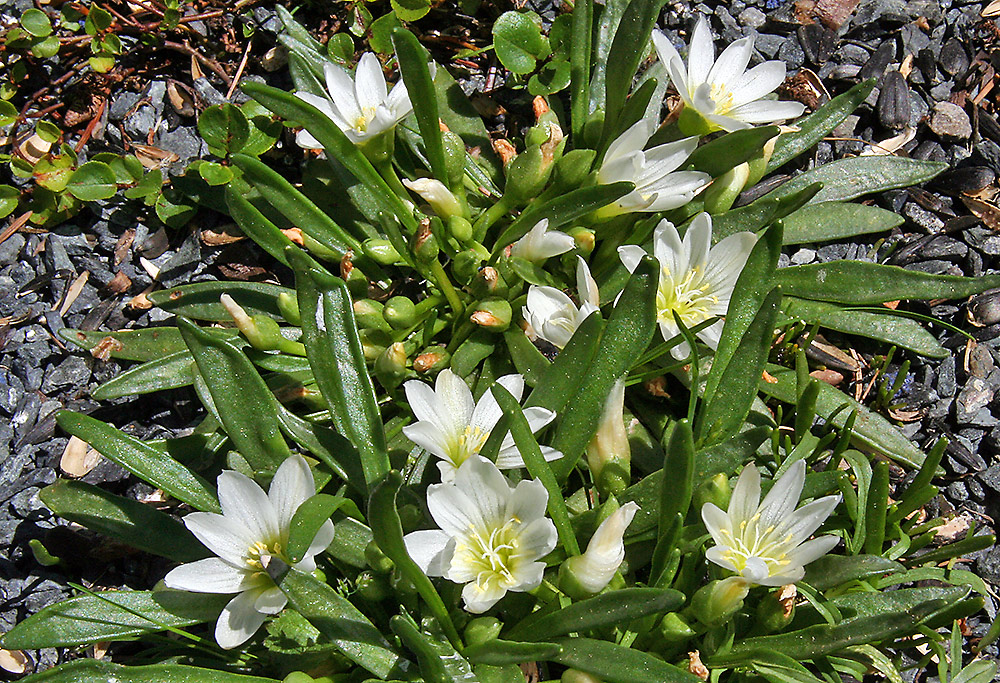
point(454, 427)
point(250, 532)
point(765, 542)
point(659, 186)
point(721, 90)
point(362, 106)
point(491, 535)
point(696, 279)
point(550, 313)
point(540, 243)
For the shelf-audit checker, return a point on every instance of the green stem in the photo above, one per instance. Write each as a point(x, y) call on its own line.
point(441, 278)
point(488, 218)
point(388, 173)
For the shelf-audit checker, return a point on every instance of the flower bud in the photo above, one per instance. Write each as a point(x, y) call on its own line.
point(715, 490)
point(454, 156)
point(777, 609)
point(527, 175)
point(262, 332)
point(466, 264)
point(482, 630)
point(425, 244)
point(492, 314)
point(460, 228)
point(373, 342)
point(400, 312)
point(584, 239)
point(436, 194)
point(369, 313)
point(573, 168)
point(377, 560)
point(357, 282)
point(432, 359)
point(758, 164)
point(390, 366)
point(589, 573)
point(488, 282)
point(608, 453)
point(715, 602)
point(288, 306)
point(675, 629)
point(577, 676)
point(724, 190)
point(381, 251)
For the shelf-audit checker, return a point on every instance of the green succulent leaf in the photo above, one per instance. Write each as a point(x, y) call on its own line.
point(518, 41)
point(224, 128)
point(92, 181)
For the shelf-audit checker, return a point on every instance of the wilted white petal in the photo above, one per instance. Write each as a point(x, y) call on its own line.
point(435, 193)
point(541, 243)
point(431, 550)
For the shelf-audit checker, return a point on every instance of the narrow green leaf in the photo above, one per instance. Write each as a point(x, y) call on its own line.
point(728, 406)
point(244, 403)
point(131, 522)
point(307, 520)
point(417, 77)
point(462, 119)
point(862, 283)
point(388, 534)
point(816, 126)
point(730, 150)
point(677, 489)
point(112, 615)
point(142, 460)
point(439, 662)
point(499, 652)
point(528, 360)
point(92, 671)
point(626, 337)
point(562, 378)
point(856, 176)
point(327, 445)
point(333, 347)
point(336, 144)
point(873, 603)
point(871, 430)
point(257, 226)
point(537, 467)
point(893, 329)
point(614, 663)
point(760, 213)
point(340, 621)
point(878, 501)
point(607, 609)
point(562, 210)
point(148, 343)
point(579, 59)
point(170, 372)
point(201, 299)
point(836, 221)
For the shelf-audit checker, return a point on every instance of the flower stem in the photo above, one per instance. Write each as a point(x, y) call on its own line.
point(388, 173)
point(441, 278)
point(488, 218)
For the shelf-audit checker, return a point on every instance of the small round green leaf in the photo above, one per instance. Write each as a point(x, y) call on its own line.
point(48, 131)
point(8, 113)
point(215, 174)
point(8, 200)
point(410, 10)
point(94, 180)
point(382, 28)
point(98, 20)
point(552, 78)
point(340, 47)
point(224, 128)
point(36, 22)
point(43, 49)
point(518, 41)
point(102, 65)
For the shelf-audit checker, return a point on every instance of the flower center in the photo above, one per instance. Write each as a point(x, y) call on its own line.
point(366, 116)
point(469, 443)
point(722, 97)
point(752, 542)
point(259, 553)
point(490, 556)
point(691, 298)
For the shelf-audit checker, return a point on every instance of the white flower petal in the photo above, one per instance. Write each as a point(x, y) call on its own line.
point(767, 111)
point(239, 620)
point(243, 499)
point(223, 536)
point(701, 53)
point(429, 437)
point(270, 601)
point(812, 550)
point(211, 575)
point(369, 83)
point(633, 139)
point(784, 495)
point(341, 88)
point(731, 64)
point(630, 255)
point(432, 550)
point(745, 498)
point(757, 82)
point(291, 486)
point(479, 598)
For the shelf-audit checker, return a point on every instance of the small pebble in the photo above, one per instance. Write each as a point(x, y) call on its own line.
point(950, 122)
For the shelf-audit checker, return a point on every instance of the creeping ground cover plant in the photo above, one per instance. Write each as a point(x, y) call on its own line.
point(539, 405)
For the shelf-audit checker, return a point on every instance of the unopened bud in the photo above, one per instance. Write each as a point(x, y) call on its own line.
point(675, 629)
point(369, 313)
point(482, 630)
point(609, 454)
point(400, 312)
point(381, 251)
point(573, 168)
point(724, 190)
point(425, 244)
point(777, 609)
point(492, 314)
point(288, 306)
point(758, 164)
point(357, 283)
point(488, 282)
point(373, 342)
point(390, 366)
point(715, 602)
point(454, 156)
point(298, 677)
point(589, 573)
point(584, 239)
point(527, 175)
point(262, 332)
point(432, 359)
point(715, 490)
point(437, 195)
point(460, 228)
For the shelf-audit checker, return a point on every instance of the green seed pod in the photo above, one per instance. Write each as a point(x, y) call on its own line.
point(400, 312)
point(377, 560)
point(368, 313)
point(492, 314)
point(381, 251)
point(674, 628)
point(466, 264)
point(298, 677)
point(288, 306)
point(425, 245)
point(527, 175)
point(390, 366)
point(433, 359)
point(460, 228)
point(482, 630)
point(373, 342)
point(454, 156)
point(489, 283)
point(357, 283)
point(777, 609)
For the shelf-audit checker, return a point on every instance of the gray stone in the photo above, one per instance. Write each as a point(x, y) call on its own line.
point(73, 371)
point(946, 383)
point(974, 395)
point(10, 248)
point(950, 122)
point(803, 256)
point(752, 17)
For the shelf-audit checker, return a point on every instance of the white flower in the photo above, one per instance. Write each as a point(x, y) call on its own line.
point(361, 106)
point(252, 529)
point(766, 543)
point(610, 443)
point(454, 427)
point(722, 90)
point(491, 534)
point(540, 243)
point(605, 552)
point(435, 193)
point(695, 281)
point(659, 186)
point(550, 313)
